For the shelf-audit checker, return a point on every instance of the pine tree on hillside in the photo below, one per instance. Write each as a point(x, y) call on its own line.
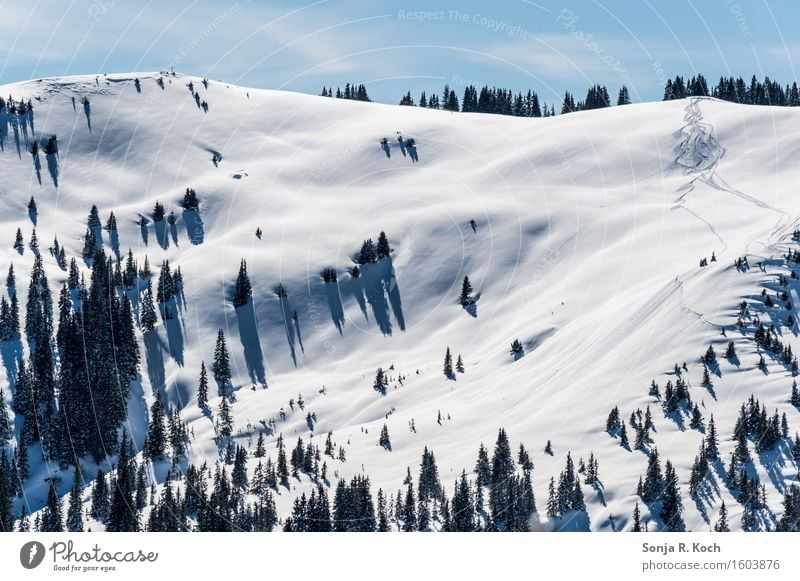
point(243, 290)
point(448, 365)
point(75, 506)
point(149, 317)
point(624, 97)
point(460, 364)
point(158, 212)
point(637, 520)
point(52, 518)
point(711, 441)
point(466, 293)
point(381, 383)
point(672, 507)
point(221, 367)
point(382, 250)
point(202, 388)
point(225, 420)
point(190, 201)
point(122, 513)
point(156, 432)
point(19, 242)
point(384, 440)
point(653, 486)
point(6, 429)
point(721, 526)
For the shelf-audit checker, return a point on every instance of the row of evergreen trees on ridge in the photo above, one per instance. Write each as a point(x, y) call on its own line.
point(503, 101)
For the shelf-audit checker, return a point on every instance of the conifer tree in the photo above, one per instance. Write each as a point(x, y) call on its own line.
point(721, 526)
point(202, 388)
point(637, 521)
point(221, 367)
point(448, 365)
point(672, 507)
point(6, 429)
point(466, 293)
point(243, 290)
point(6, 495)
point(156, 432)
point(380, 384)
point(52, 519)
point(225, 419)
point(460, 364)
point(384, 440)
point(382, 250)
point(712, 442)
point(122, 513)
point(149, 316)
point(75, 508)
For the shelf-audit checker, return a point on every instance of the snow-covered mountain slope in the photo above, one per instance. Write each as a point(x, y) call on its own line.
point(588, 232)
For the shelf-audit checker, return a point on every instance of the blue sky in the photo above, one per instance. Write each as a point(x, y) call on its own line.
point(396, 46)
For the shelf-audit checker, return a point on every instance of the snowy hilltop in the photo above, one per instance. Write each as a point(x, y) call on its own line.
point(241, 309)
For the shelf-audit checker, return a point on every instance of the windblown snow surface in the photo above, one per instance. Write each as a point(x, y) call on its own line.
point(589, 229)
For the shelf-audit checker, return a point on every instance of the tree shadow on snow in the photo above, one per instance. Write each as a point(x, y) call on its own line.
point(87, 110)
point(37, 167)
point(155, 361)
point(161, 233)
point(194, 226)
point(175, 336)
point(774, 461)
point(335, 305)
point(289, 327)
point(113, 238)
point(11, 352)
point(52, 167)
point(173, 232)
point(248, 334)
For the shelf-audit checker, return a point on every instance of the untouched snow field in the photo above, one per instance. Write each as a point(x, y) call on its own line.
point(589, 231)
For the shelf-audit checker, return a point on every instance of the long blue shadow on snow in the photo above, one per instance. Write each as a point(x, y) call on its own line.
point(154, 358)
point(248, 334)
point(194, 226)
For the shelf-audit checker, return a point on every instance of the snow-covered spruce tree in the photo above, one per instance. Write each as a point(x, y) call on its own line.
point(99, 509)
point(502, 474)
point(384, 440)
point(653, 486)
point(368, 253)
point(225, 419)
point(447, 369)
point(672, 506)
point(381, 383)
point(6, 495)
point(465, 298)
point(19, 241)
point(156, 443)
point(221, 367)
point(6, 429)
point(721, 526)
point(52, 517)
point(190, 202)
point(75, 506)
point(122, 513)
point(460, 364)
point(516, 348)
point(242, 290)
point(158, 212)
point(382, 250)
point(202, 387)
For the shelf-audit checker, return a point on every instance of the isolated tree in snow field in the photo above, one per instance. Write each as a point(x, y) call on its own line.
point(466, 293)
point(243, 290)
point(222, 366)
